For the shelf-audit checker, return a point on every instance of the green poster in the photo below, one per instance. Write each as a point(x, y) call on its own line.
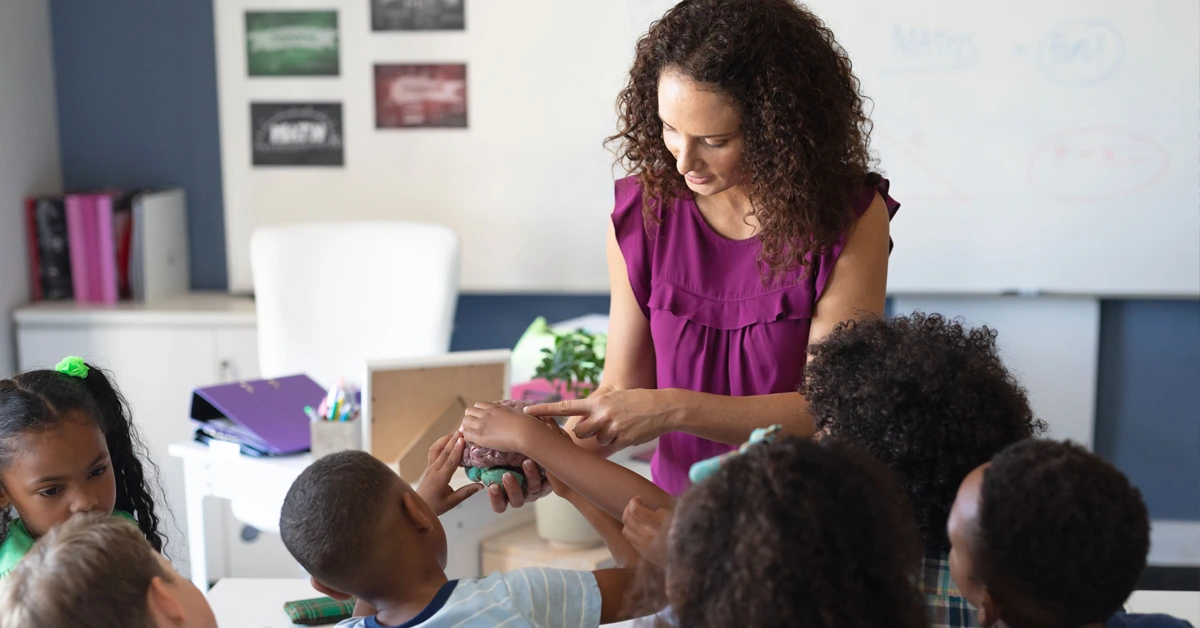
point(292, 43)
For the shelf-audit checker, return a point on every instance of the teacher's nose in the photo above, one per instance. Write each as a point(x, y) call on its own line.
point(686, 161)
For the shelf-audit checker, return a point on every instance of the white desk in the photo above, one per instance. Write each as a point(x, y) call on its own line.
point(261, 484)
point(258, 603)
point(1182, 604)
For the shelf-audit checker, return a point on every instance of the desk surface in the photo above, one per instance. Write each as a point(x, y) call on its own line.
point(1181, 604)
point(257, 602)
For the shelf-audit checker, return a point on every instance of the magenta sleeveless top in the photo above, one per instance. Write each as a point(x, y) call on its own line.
point(715, 326)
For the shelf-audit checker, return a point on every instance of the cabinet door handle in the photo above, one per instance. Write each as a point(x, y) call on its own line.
point(228, 371)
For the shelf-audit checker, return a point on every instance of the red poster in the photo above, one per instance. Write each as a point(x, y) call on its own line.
point(421, 96)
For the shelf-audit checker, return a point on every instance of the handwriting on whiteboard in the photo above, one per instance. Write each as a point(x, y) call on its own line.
point(907, 158)
point(1098, 163)
point(924, 49)
point(1081, 52)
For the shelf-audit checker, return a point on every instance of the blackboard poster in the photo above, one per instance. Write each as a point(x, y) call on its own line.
point(421, 95)
point(296, 134)
point(292, 43)
point(418, 15)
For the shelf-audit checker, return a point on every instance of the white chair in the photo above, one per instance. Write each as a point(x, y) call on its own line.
point(331, 296)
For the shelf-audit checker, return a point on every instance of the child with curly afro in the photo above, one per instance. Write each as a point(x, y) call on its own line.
point(931, 399)
point(1049, 535)
point(792, 533)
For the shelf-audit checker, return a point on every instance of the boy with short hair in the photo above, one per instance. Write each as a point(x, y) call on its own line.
point(361, 531)
point(99, 571)
point(1048, 535)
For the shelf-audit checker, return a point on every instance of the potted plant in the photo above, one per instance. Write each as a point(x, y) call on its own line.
point(559, 365)
point(573, 365)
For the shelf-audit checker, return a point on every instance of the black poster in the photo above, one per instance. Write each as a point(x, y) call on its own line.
point(418, 15)
point(296, 134)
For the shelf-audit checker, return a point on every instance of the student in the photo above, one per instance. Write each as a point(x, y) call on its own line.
point(794, 533)
point(932, 400)
point(361, 531)
point(1049, 535)
point(68, 445)
point(98, 571)
point(788, 533)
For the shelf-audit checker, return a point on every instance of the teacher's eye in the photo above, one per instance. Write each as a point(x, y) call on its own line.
point(716, 144)
point(98, 471)
point(50, 492)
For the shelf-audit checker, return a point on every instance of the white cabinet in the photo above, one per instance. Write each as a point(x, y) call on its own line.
point(158, 353)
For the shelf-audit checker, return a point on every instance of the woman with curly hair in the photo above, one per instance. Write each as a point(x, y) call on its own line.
point(791, 533)
point(751, 224)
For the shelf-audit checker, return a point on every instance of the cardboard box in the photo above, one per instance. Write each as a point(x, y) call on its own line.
point(409, 404)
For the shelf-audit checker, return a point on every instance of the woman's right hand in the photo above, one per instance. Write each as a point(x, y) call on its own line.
point(617, 419)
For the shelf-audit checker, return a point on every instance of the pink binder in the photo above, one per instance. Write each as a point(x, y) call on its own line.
point(77, 242)
point(106, 253)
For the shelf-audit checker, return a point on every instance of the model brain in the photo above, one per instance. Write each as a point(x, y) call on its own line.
point(488, 465)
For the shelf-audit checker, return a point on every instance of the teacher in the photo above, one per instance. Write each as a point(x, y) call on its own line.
point(752, 224)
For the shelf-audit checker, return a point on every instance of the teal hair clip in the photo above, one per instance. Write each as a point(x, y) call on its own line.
point(705, 468)
point(73, 366)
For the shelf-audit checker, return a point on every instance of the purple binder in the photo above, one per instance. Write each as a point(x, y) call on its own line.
point(266, 414)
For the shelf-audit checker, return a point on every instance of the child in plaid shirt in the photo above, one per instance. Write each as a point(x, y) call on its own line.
point(932, 400)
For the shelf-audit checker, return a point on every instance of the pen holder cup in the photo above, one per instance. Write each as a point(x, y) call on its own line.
point(330, 437)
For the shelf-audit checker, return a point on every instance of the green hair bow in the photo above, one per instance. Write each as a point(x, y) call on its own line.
point(73, 366)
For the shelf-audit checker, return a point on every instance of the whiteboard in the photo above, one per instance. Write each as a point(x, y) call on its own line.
point(1035, 145)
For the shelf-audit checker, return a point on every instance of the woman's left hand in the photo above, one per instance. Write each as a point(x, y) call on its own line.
point(618, 419)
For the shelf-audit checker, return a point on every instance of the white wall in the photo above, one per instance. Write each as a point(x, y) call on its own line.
point(28, 147)
point(528, 187)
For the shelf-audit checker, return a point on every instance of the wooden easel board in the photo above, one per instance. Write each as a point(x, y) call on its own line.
point(409, 404)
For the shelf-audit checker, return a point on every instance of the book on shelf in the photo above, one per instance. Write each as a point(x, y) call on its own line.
point(107, 246)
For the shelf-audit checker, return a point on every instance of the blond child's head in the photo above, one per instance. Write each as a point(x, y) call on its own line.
point(99, 571)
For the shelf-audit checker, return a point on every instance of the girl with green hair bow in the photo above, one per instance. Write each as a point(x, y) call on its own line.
point(68, 445)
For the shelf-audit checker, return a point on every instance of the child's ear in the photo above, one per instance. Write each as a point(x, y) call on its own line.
point(989, 613)
point(321, 587)
point(413, 505)
point(162, 603)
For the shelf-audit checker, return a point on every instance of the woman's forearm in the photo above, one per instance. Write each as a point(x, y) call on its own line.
point(602, 482)
point(623, 552)
point(730, 420)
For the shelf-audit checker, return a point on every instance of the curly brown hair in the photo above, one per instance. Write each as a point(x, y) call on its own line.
point(927, 396)
point(1062, 536)
point(795, 533)
point(803, 117)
